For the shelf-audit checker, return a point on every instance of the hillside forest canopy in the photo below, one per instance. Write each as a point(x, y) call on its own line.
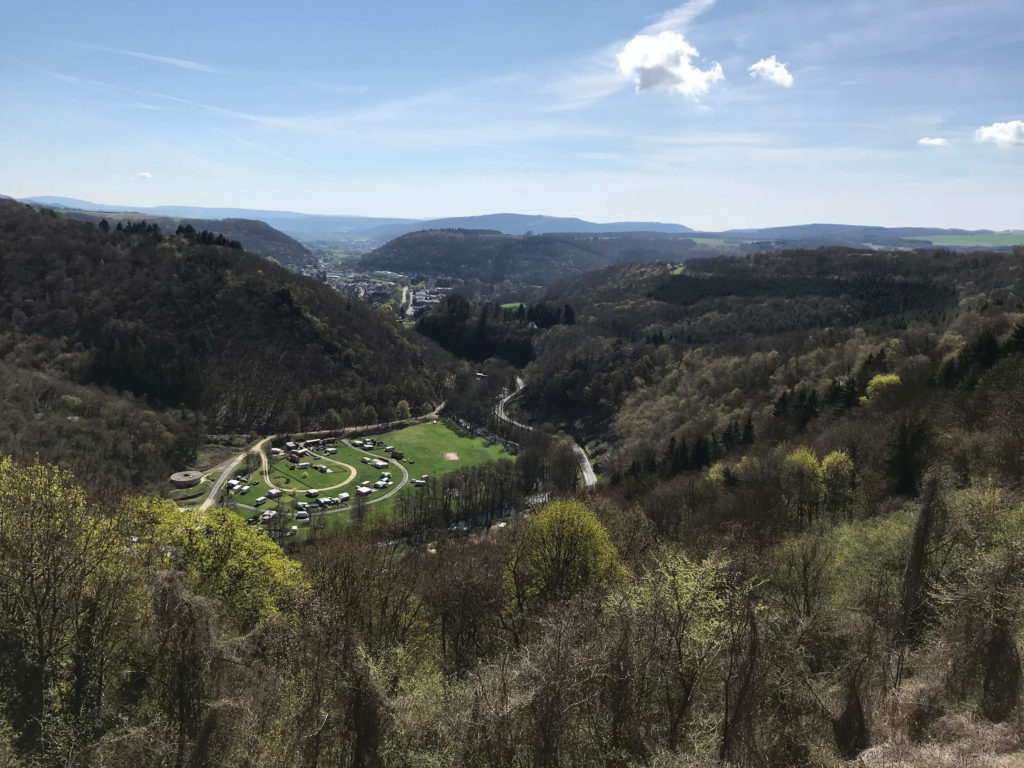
point(804, 549)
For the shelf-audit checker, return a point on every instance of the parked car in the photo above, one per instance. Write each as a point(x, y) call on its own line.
point(302, 515)
point(260, 501)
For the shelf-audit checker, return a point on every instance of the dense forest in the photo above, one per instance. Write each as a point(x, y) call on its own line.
point(255, 236)
point(482, 330)
point(805, 548)
point(124, 337)
point(494, 258)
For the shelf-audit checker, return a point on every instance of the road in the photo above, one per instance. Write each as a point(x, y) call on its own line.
point(586, 470)
point(227, 471)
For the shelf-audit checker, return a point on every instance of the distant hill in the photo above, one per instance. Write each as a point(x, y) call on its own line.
point(183, 338)
point(303, 226)
point(314, 227)
point(855, 236)
point(520, 224)
point(309, 228)
point(255, 236)
point(493, 257)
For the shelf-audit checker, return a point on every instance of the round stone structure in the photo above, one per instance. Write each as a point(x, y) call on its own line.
point(186, 479)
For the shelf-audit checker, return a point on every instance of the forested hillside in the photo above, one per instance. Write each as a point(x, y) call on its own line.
point(492, 257)
point(805, 548)
point(145, 340)
point(255, 236)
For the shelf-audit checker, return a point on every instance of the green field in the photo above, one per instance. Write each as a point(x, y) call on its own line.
point(424, 446)
point(995, 240)
point(427, 444)
point(511, 304)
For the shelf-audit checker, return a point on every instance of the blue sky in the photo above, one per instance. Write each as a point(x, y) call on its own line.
point(712, 114)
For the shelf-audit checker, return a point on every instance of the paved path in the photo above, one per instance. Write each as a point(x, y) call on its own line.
point(586, 470)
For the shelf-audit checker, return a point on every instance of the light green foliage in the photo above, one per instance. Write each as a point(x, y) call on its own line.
point(837, 472)
point(801, 482)
point(882, 388)
point(225, 559)
point(718, 473)
point(688, 597)
point(564, 549)
point(68, 584)
point(869, 560)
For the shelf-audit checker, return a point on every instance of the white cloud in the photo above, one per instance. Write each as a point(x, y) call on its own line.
point(142, 175)
point(663, 62)
point(928, 141)
point(772, 70)
point(1003, 135)
point(195, 66)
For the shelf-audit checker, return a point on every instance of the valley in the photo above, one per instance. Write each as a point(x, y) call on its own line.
point(491, 465)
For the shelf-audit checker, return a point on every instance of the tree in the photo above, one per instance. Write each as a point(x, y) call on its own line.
point(562, 550)
point(837, 482)
point(402, 411)
point(883, 388)
point(801, 483)
point(333, 419)
point(908, 456)
point(225, 559)
point(67, 584)
point(676, 614)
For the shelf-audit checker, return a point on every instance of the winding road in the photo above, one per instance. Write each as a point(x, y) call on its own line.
point(586, 470)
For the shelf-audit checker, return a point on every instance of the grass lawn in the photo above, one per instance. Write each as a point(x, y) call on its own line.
point(427, 444)
point(511, 304)
point(995, 240)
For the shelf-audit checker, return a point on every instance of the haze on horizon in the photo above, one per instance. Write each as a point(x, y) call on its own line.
point(735, 113)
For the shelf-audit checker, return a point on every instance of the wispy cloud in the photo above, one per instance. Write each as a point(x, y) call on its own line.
point(107, 88)
point(679, 18)
point(195, 66)
point(141, 176)
point(1003, 135)
point(772, 70)
point(260, 147)
point(928, 141)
